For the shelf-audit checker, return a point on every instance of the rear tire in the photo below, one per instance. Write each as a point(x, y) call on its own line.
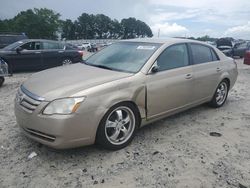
point(118, 126)
point(220, 95)
point(66, 61)
point(1, 81)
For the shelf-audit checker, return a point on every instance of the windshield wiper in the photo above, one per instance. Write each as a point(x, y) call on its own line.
point(103, 67)
point(99, 66)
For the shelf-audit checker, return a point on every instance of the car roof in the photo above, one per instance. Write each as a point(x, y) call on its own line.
point(164, 40)
point(41, 40)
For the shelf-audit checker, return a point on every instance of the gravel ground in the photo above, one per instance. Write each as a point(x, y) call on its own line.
point(175, 152)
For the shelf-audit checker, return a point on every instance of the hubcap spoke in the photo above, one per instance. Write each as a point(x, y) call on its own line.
point(119, 115)
point(111, 124)
point(126, 120)
point(124, 130)
point(115, 135)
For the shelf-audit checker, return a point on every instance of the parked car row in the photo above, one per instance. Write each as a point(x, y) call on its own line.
point(37, 54)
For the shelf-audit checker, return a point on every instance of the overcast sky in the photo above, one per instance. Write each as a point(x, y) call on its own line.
point(216, 18)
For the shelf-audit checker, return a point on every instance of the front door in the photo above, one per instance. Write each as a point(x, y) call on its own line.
point(28, 58)
point(170, 88)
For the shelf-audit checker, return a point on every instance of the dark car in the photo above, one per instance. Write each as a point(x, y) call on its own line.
point(9, 38)
point(33, 55)
point(225, 45)
point(240, 49)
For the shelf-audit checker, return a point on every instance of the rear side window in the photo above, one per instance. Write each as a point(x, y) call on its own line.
point(173, 57)
point(214, 55)
point(202, 54)
point(50, 45)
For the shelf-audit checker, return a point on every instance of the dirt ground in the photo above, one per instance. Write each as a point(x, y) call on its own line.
point(175, 152)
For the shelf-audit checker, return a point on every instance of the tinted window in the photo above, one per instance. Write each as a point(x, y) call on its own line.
point(173, 57)
point(51, 45)
point(201, 54)
point(31, 46)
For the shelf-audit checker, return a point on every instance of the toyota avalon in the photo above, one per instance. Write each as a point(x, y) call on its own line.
point(121, 88)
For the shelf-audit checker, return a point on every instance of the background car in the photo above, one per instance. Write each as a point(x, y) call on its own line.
point(37, 54)
point(240, 49)
point(247, 58)
point(225, 45)
point(85, 46)
point(9, 38)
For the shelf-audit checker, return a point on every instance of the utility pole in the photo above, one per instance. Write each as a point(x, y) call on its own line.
point(159, 30)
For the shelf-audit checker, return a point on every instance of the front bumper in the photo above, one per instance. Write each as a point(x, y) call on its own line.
point(57, 131)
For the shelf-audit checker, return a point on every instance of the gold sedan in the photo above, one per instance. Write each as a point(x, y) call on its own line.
point(123, 87)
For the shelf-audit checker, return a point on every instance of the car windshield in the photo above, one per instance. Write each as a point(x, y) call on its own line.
point(123, 56)
point(13, 45)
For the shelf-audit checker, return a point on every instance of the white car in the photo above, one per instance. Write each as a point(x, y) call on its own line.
point(85, 46)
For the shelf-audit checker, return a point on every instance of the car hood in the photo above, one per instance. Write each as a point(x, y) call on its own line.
point(65, 81)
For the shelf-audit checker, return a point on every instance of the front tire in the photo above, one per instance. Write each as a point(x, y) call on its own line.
point(118, 126)
point(220, 95)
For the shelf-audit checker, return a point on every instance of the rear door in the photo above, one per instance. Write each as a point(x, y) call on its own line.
point(207, 70)
point(52, 52)
point(29, 58)
point(170, 88)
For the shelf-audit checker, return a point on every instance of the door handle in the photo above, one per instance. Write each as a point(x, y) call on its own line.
point(188, 76)
point(37, 52)
point(218, 69)
point(61, 51)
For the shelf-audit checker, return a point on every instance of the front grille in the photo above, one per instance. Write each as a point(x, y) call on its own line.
point(41, 135)
point(28, 101)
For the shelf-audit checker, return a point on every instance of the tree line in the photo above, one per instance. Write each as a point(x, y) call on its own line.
point(45, 23)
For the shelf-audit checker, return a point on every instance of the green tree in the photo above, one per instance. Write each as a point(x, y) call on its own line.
point(133, 28)
point(68, 29)
point(37, 23)
point(85, 26)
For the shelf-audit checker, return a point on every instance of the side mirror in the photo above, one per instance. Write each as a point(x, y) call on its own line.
point(18, 49)
point(155, 68)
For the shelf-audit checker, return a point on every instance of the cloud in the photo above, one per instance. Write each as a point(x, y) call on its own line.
point(242, 31)
point(169, 30)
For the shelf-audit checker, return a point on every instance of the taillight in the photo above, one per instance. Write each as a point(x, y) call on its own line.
point(81, 52)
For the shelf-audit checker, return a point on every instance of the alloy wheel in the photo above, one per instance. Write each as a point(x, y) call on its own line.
point(120, 125)
point(221, 93)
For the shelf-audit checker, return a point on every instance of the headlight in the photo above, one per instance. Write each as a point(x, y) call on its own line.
point(63, 106)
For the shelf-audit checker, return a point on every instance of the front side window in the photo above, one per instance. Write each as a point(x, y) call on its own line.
point(31, 46)
point(173, 57)
point(123, 56)
point(201, 54)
